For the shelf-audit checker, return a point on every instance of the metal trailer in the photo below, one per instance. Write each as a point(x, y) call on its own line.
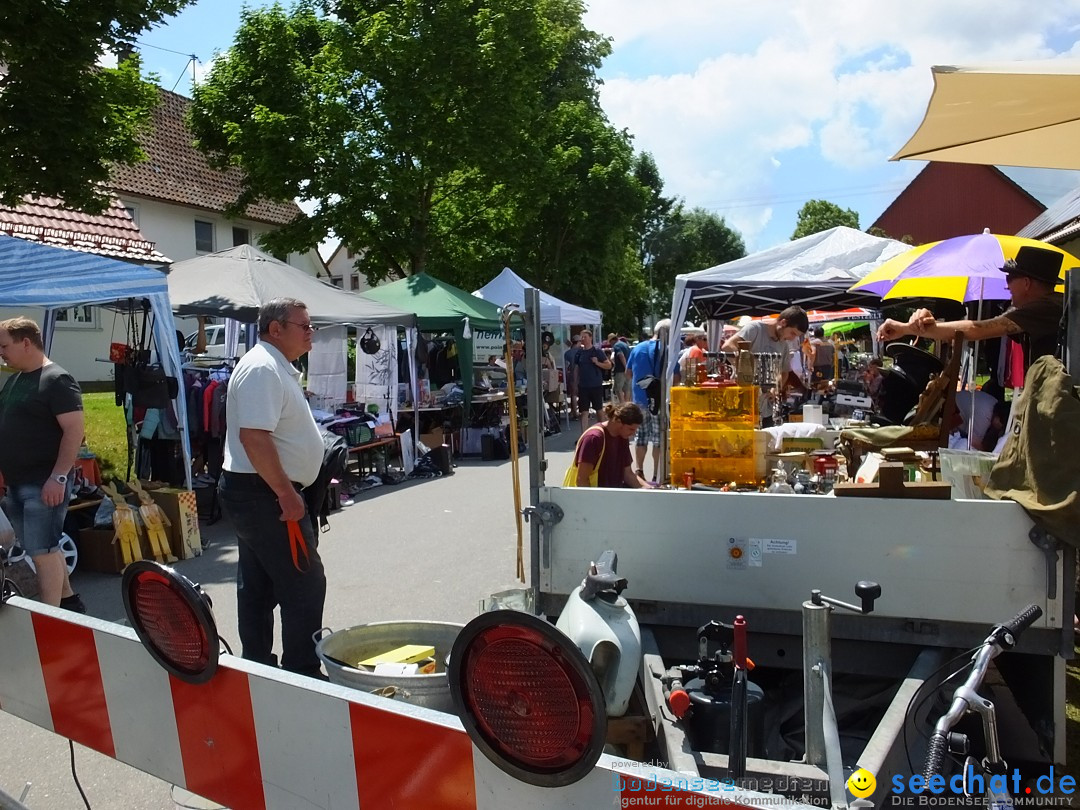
point(948, 571)
point(256, 737)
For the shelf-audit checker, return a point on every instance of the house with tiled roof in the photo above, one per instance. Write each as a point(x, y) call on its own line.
point(168, 208)
point(343, 273)
point(1059, 224)
point(178, 200)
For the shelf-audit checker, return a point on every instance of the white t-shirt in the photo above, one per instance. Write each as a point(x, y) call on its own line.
point(265, 394)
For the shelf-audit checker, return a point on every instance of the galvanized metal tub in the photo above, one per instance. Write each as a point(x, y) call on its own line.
point(340, 650)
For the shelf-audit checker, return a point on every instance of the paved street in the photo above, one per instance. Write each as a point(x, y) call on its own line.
point(429, 549)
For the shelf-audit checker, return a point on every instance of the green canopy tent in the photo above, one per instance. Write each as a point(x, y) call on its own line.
point(442, 307)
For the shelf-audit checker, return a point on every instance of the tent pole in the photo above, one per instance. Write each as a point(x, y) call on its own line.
point(974, 367)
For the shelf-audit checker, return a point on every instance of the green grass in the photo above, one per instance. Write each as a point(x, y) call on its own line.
point(105, 433)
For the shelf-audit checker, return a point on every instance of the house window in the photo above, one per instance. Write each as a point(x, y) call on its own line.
point(349, 253)
point(80, 317)
point(204, 236)
point(354, 281)
point(241, 236)
point(132, 212)
point(337, 281)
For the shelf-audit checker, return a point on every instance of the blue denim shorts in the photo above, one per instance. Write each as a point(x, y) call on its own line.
point(37, 527)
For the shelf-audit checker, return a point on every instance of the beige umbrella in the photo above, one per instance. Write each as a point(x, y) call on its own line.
point(1013, 114)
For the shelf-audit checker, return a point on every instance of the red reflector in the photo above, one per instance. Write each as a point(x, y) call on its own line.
point(173, 618)
point(171, 624)
point(527, 697)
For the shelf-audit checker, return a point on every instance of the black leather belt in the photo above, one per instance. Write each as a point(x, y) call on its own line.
point(252, 480)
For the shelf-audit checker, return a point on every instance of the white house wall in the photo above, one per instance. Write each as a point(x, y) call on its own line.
point(341, 267)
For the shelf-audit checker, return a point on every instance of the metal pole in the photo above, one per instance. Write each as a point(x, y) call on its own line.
point(1072, 324)
point(816, 650)
point(537, 411)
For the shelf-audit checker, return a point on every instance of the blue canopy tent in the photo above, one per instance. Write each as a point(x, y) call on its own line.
point(36, 275)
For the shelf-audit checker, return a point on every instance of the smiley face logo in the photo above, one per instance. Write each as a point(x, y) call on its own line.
point(862, 783)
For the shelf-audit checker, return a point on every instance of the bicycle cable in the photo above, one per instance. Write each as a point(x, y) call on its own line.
point(932, 692)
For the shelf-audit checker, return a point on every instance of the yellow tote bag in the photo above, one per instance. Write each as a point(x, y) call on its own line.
point(570, 479)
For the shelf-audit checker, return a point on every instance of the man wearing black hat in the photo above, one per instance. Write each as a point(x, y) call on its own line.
point(1032, 320)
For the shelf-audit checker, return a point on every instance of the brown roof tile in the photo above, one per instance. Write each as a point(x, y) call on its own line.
point(178, 173)
point(111, 233)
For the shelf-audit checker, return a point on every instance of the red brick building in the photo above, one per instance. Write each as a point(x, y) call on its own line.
point(954, 199)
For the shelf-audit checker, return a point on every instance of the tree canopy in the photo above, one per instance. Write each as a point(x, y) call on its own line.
point(686, 242)
point(64, 120)
point(453, 137)
point(820, 215)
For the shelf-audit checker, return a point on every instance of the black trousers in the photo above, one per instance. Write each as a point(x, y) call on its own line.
point(267, 577)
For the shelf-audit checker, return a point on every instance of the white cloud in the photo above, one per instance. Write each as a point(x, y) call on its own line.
point(760, 88)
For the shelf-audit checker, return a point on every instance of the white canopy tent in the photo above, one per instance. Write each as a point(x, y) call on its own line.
point(813, 272)
point(509, 288)
point(53, 278)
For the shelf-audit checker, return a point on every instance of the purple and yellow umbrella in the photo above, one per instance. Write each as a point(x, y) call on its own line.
point(964, 268)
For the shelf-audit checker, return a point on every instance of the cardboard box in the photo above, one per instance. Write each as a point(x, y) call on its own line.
point(432, 439)
point(98, 552)
point(182, 509)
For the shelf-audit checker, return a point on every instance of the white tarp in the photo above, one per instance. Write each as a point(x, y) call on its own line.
point(327, 364)
point(813, 272)
point(509, 288)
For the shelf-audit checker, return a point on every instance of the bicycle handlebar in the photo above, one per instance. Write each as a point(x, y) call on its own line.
point(1023, 620)
point(1002, 637)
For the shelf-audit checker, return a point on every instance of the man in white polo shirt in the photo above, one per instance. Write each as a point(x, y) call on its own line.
point(272, 451)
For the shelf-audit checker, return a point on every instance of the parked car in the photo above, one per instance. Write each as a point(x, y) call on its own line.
point(215, 341)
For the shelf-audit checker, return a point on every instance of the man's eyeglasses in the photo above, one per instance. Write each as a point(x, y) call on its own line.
point(1011, 277)
point(307, 327)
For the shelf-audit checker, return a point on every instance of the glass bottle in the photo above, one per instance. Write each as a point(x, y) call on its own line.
point(779, 482)
point(744, 369)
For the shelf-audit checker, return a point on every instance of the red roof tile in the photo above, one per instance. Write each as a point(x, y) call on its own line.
point(177, 172)
point(111, 233)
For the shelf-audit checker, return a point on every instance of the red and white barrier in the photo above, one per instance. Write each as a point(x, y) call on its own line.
point(257, 737)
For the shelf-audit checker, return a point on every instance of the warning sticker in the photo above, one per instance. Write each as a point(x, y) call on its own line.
point(755, 552)
point(774, 546)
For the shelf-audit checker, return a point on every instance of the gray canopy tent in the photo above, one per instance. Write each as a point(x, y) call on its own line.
point(234, 283)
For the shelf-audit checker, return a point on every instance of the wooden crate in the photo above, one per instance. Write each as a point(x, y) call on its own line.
point(634, 730)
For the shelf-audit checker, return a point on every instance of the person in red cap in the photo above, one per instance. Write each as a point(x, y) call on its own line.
point(1032, 320)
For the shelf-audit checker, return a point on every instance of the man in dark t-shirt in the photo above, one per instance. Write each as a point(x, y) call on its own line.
point(41, 430)
point(1032, 321)
point(591, 363)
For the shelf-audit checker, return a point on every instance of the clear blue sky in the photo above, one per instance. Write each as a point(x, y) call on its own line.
point(753, 108)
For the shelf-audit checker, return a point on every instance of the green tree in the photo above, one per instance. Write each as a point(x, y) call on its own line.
point(407, 123)
point(63, 120)
point(690, 241)
point(580, 234)
point(820, 215)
